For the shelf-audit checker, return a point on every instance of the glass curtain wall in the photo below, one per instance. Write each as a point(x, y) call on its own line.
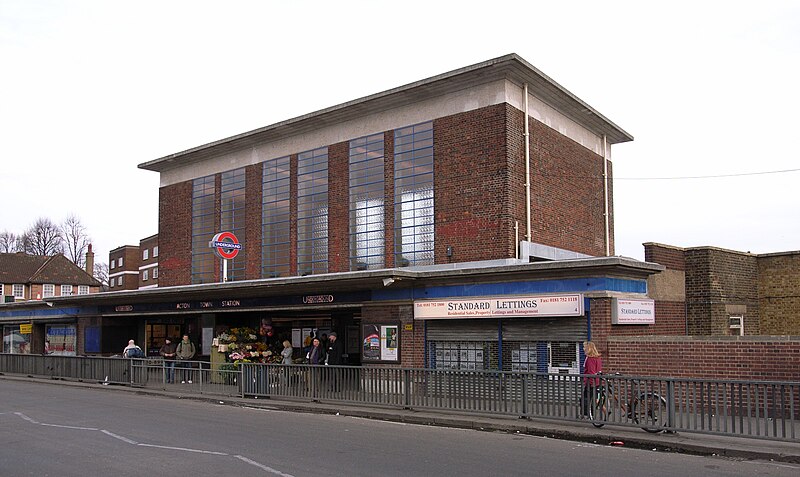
point(275, 216)
point(203, 229)
point(232, 217)
point(413, 195)
point(312, 212)
point(366, 203)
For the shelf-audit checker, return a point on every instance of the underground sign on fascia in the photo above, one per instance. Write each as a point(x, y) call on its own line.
point(493, 307)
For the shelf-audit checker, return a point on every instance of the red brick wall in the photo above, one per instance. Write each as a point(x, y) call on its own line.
point(388, 197)
point(412, 342)
point(671, 257)
point(252, 236)
point(480, 195)
point(567, 193)
point(175, 234)
point(471, 174)
point(670, 320)
point(719, 357)
point(339, 207)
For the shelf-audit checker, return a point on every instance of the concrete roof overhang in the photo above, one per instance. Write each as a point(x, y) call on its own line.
point(438, 275)
point(510, 67)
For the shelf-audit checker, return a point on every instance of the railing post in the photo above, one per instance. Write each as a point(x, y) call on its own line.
point(407, 390)
point(670, 404)
point(524, 378)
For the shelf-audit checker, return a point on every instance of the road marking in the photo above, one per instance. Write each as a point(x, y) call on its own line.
point(115, 436)
point(262, 466)
point(184, 449)
point(26, 418)
point(70, 427)
point(141, 444)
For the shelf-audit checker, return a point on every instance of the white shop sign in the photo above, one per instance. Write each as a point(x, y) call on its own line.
point(633, 312)
point(498, 307)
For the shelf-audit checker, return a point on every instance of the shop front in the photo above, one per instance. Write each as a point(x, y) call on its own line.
point(536, 333)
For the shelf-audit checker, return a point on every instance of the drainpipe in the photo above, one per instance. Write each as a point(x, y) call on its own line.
point(605, 195)
point(527, 167)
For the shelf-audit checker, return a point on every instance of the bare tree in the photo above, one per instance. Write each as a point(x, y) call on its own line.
point(43, 238)
point(8, 242)
point(76, 240)
point(101, 273)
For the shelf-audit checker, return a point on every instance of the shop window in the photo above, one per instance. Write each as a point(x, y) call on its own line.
point(465, 356)
point(62, 339)
point(563, 357)
point(14, 341)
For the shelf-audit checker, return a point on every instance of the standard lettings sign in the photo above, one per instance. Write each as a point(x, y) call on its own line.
point(498, 307)
point(633, 312)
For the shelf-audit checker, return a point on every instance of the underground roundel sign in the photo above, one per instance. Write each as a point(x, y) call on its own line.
point(226, 246)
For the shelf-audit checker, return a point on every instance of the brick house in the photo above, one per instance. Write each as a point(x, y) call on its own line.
point(38, 280)
point(132, 267)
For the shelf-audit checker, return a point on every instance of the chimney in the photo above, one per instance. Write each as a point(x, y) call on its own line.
point(90, 261)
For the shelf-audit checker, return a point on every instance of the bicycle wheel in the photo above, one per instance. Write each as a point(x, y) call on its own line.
point(597, 411)
point(650, 411)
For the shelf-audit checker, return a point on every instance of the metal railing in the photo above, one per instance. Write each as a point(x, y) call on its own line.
point(754, 409)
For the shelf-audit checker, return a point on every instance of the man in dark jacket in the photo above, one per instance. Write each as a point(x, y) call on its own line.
point(168, 353)
point(334, 350)
point(334, 358)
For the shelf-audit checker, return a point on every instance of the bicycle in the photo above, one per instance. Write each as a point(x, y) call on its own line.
point(648, 408)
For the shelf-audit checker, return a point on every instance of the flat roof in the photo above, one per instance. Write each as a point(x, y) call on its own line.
point(510, 67)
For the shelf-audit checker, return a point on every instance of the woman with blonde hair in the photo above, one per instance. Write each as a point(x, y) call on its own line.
point(592, 365)
point(287, 352)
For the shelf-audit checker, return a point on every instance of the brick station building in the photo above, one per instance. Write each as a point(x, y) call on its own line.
point(462, 221)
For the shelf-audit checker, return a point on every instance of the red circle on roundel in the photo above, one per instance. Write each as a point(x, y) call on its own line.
point(222, 251)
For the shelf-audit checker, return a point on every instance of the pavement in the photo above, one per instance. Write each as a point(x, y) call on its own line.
point(688, 443)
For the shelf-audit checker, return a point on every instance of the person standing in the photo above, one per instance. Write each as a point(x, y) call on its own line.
point(132, 351)
point(316, 355)
point(185, 352)
point(168, 352)
point(334, 354)
point(334, 358)
point(592, 365)
point(287, 352)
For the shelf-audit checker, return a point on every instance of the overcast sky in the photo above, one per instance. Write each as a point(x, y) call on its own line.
point(91, 89)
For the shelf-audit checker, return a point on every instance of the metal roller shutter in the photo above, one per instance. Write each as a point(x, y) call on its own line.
point(462, 330)
point(545, 329)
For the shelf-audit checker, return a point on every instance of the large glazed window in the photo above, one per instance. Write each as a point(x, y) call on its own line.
point(366, 203)
point(413, 195)
point(275, 216)
point(203, 229)
point(312, 212)
point(232, 217)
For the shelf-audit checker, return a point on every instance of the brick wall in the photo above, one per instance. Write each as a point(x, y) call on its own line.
point(480, 195)
point(779, 293)
point(670, 320)
point(720, 283)
point(567, 193)
point(412, 342)
point(175, 234)
point(252, 237)
point(718, 357)
point(471, 174)
point(339, 207)
point(671, 257)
